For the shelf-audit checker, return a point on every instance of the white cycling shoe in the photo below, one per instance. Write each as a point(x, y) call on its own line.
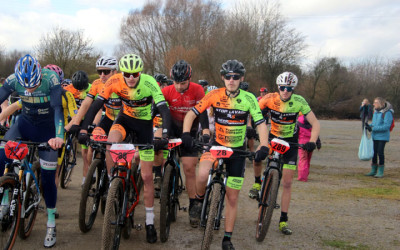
point(50, 239)
point(4, 209)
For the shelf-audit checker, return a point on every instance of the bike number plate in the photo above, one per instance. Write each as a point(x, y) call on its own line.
point(122, 153)
point(98, 137)
point(15, 150)
point(174, 143)
point(279, 145)
point(221, 152)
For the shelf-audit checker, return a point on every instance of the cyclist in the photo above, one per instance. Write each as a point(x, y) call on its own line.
point(284, 107)
point(231, 109)
point(80, 88)
point(204, 84)
point(106, 67)
point(137, 92)
point(263, 92)
point(181, 97)
point(58, 70)
point(65, 83)
point(41, 120)
point(162, 80)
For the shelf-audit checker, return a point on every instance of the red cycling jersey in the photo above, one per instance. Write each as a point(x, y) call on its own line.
point(181, 103)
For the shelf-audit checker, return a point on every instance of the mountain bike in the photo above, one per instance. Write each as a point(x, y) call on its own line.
point(94, 190)
point(214, 197)
point(19, 191)
point(122, 197)
point(172, 187)
point(269, 189)
point(69, 161)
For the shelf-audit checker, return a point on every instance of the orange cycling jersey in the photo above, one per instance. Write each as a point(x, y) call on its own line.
point(136, 102)
point(231, 114)
point(284, 114)
point(113, 103)
point(78, 95)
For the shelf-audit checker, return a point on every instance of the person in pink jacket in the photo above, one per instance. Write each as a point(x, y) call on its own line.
point(304, 157)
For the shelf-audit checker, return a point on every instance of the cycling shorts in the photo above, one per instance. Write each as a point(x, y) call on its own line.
point(290, 157)
point(105, 124)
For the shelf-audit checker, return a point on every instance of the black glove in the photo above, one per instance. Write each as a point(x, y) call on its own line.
point(83, 138)
point(160, 144)
point(75, 129)
point(309, 146)
point(368, 127)
point(250, 132)
point(205, 138)
point(261, 154)
point(187, 141)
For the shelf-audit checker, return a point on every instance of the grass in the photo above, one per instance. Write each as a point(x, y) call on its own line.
point(344, 245)
point(380, 192)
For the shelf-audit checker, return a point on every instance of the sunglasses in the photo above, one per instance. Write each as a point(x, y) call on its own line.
point(288, 89)
point(235, 77)
point(103, 71)
point(128, 75)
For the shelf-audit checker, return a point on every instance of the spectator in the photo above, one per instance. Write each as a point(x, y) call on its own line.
point(380, 127)
point(305, 156)
point(365, 112)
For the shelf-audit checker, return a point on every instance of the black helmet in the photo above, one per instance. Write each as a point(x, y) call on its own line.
point(203, 83)
point(80, 80)
point(232, 66)
point(181, 71)
point(244, 86)
point(170, 82)
point(161, 78)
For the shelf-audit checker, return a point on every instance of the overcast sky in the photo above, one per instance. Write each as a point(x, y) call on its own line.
point(348, 29)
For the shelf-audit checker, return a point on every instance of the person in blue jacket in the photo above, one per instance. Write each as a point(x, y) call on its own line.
point(380, 127)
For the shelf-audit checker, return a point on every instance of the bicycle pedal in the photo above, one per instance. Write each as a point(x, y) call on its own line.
point(138, 227)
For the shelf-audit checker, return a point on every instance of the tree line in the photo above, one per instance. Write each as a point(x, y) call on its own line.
point(206, 35)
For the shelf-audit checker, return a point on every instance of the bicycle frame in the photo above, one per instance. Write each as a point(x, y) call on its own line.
point(173, 161)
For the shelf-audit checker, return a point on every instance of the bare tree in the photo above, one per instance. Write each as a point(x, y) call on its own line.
point(68, 49)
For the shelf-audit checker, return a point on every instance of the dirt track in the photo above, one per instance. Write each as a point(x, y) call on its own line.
point(325, 211)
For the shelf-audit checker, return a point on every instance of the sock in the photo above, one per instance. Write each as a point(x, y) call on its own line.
point(199, 197)
point(149, 215)
point(191, 202)
point(257, 179)
point(157, 171)
point(284, 217)
point(227, 236)
point(83, 180)
point(51, 217)
point(5, 198)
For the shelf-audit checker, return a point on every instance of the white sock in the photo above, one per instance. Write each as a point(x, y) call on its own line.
point(83, 180)
point(149, 215)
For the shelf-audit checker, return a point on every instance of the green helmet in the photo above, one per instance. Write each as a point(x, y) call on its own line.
point(131, 63)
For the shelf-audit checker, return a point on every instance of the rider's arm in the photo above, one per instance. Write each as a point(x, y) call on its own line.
point(263, 133)
point(85, 105)
point(91, 113)
point(98, 116)
point(188, 121)
point(10, 110)
point(315, 126)
point(166, 117)
point(56, 104)
point(205, 125)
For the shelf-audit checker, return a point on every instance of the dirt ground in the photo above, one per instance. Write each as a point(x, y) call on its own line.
point(338, 207)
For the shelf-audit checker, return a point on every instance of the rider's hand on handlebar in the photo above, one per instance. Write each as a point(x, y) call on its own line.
point(83, 138)
point(309, 146)
point(74, 129)
point(187, 140)
point(205, 138)
point(160, 144)
point(261, 154)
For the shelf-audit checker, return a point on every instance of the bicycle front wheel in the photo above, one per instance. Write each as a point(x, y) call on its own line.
point(215, 197)
point(112, 226)
point(10, 215)
point(269, 193)
point(90, 197)
point(32, 195)
point(166, 203)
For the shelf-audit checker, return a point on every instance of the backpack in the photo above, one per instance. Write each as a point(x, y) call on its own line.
point(392, 125)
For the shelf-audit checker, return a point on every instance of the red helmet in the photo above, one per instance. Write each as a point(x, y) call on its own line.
point(263, 89)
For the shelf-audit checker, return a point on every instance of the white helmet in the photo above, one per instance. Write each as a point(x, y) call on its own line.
point(211, 88)
point(287, 79)
point(107, 62)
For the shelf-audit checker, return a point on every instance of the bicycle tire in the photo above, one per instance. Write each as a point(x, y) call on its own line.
point(7, 240)
point(90, 198)
point(111, 233)
point(166, 201)
point(269, 193)
point(105, 189)
point(215, 197)
point(127, 228)
point(26, 223)
point(66, 170)
point(174, 198)
point(137, 177)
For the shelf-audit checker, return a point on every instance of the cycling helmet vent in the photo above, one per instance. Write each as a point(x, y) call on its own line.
point(181, 71)
point(287, 79)
point(28, 71)
point(232, 66)
point(131, 63)
point(107, 62)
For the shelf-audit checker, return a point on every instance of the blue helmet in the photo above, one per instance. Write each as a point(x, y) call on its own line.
point(28, 71)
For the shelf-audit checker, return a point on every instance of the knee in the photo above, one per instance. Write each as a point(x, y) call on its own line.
point(232, 199)
point(287, 184)
point(147, 176)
